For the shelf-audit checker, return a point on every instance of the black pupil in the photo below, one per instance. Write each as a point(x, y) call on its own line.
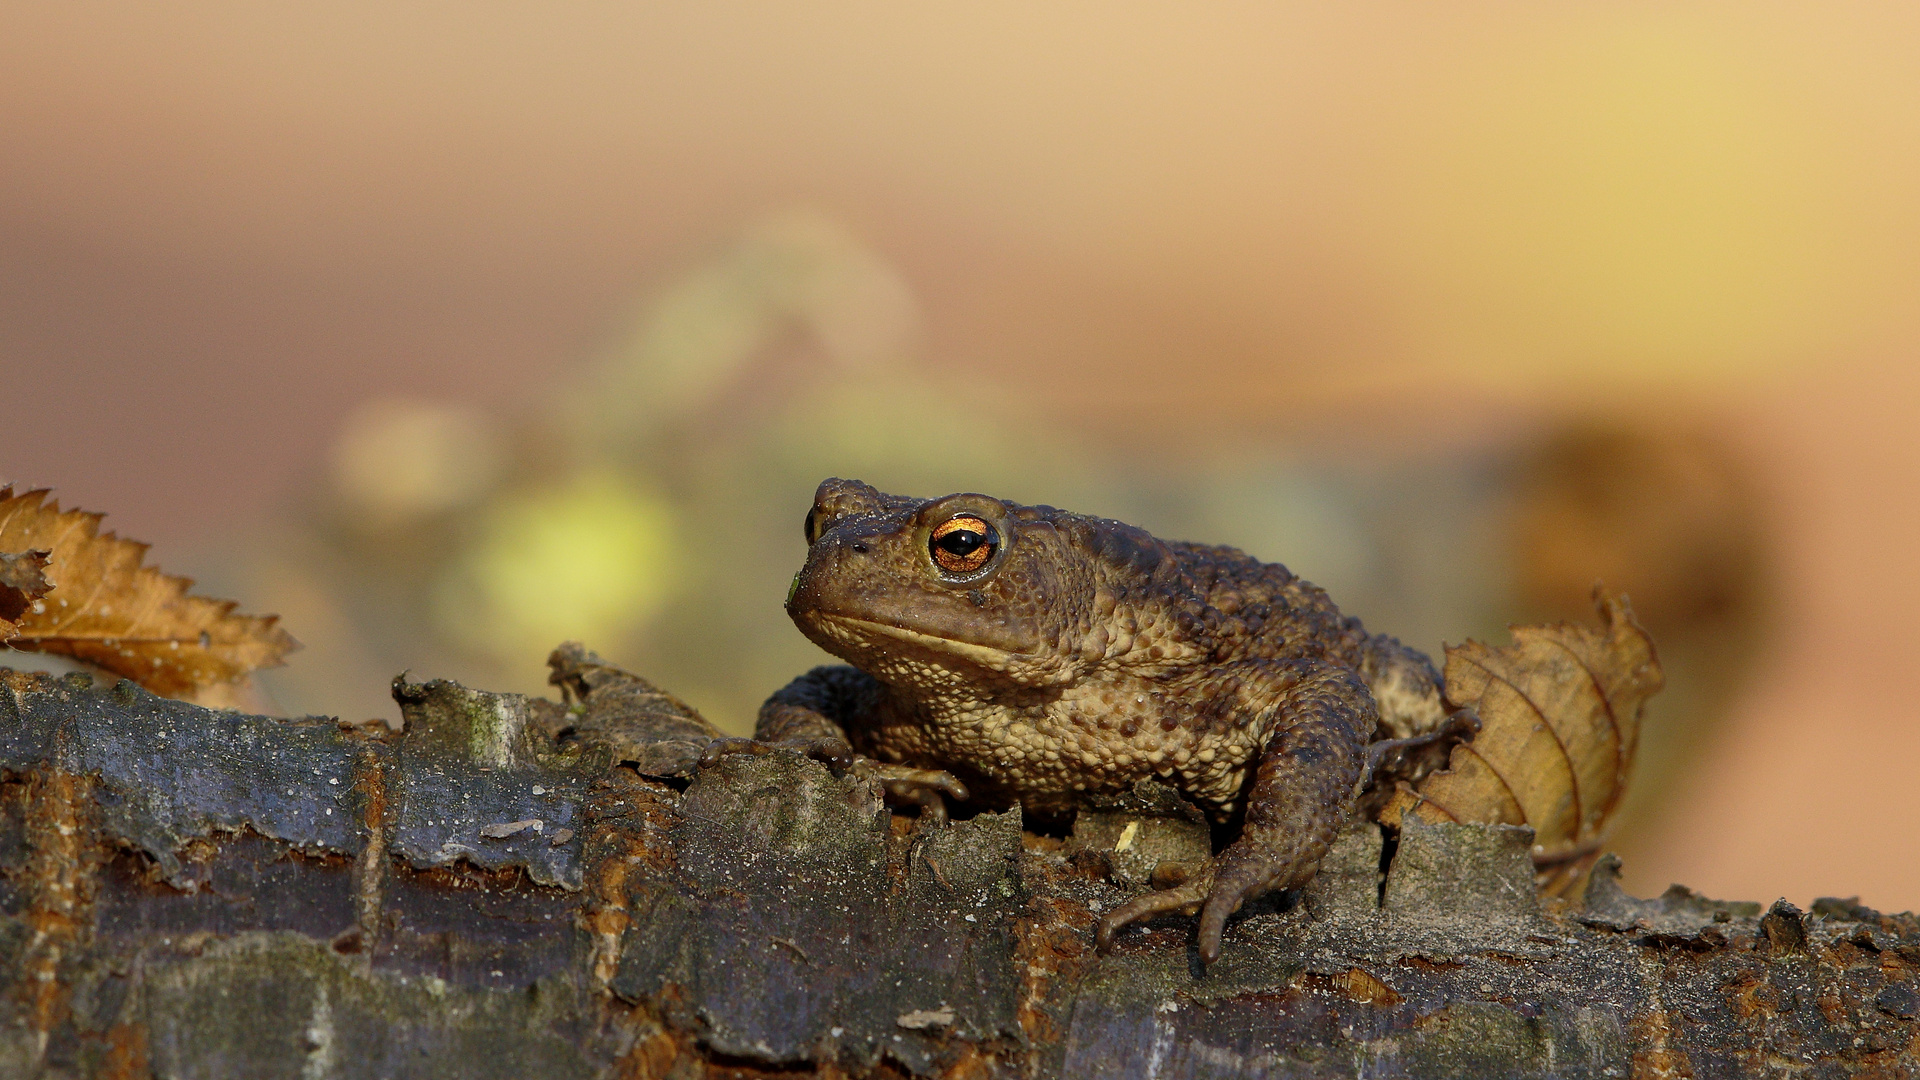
point(961, 542)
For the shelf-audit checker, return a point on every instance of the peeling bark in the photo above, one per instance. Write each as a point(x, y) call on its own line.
point(195, 893)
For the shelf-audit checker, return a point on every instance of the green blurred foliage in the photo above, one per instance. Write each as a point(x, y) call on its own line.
point(651, 507)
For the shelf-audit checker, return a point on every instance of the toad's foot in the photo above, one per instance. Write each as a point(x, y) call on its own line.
point(1245, 870)
point(922, 787)
point(1216, 891)
point(835, 754)
point(1459, 727)
point(1185, 898)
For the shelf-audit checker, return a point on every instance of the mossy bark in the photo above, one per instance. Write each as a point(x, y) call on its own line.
point(499, 891)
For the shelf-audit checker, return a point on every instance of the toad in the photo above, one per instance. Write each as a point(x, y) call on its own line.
point(1011, 653)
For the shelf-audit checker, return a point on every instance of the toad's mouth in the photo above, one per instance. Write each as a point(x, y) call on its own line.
point(988, 656)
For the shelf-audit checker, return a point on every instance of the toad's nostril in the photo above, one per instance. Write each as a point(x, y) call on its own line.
point(859, 548)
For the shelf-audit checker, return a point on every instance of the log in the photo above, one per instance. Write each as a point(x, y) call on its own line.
point(499, 891)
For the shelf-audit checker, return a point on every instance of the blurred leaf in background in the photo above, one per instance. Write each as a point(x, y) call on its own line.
point(651, 505)
point(1664, 510)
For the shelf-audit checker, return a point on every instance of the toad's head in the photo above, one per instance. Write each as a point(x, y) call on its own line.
point(965, 592)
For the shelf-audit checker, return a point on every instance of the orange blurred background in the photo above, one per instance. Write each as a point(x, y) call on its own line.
point(1170, 240)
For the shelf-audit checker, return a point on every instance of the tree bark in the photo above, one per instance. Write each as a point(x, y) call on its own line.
point(499, 891)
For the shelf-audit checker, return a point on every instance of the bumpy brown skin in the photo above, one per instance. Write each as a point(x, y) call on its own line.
point(1085, 655)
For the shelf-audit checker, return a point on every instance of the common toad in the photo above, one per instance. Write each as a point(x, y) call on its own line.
point(1023, 653)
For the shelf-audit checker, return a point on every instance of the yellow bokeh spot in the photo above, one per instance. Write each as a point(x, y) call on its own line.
point(590, 561)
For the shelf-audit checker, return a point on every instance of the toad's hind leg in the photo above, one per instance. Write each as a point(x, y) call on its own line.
point(1300, 794)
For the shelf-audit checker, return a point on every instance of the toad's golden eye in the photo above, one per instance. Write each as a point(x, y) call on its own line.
point(813, 519)
point(963, 544)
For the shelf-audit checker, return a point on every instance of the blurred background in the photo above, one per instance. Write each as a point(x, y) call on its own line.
point(452, 331)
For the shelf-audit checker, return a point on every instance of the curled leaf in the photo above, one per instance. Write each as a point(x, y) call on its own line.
point(23, 579)
point(1560, 721)
point(97, 603)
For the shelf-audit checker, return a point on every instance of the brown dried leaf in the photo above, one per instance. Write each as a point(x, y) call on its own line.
point(102, 606)
point(1560, 720)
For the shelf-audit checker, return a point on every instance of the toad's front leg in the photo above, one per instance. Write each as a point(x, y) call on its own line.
point(1299, 796)
point(810, 714)
point(813, 714)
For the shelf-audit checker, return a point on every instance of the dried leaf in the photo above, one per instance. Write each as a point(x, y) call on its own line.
point(1560, 721)
point(102, 606)
point(23, 580)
